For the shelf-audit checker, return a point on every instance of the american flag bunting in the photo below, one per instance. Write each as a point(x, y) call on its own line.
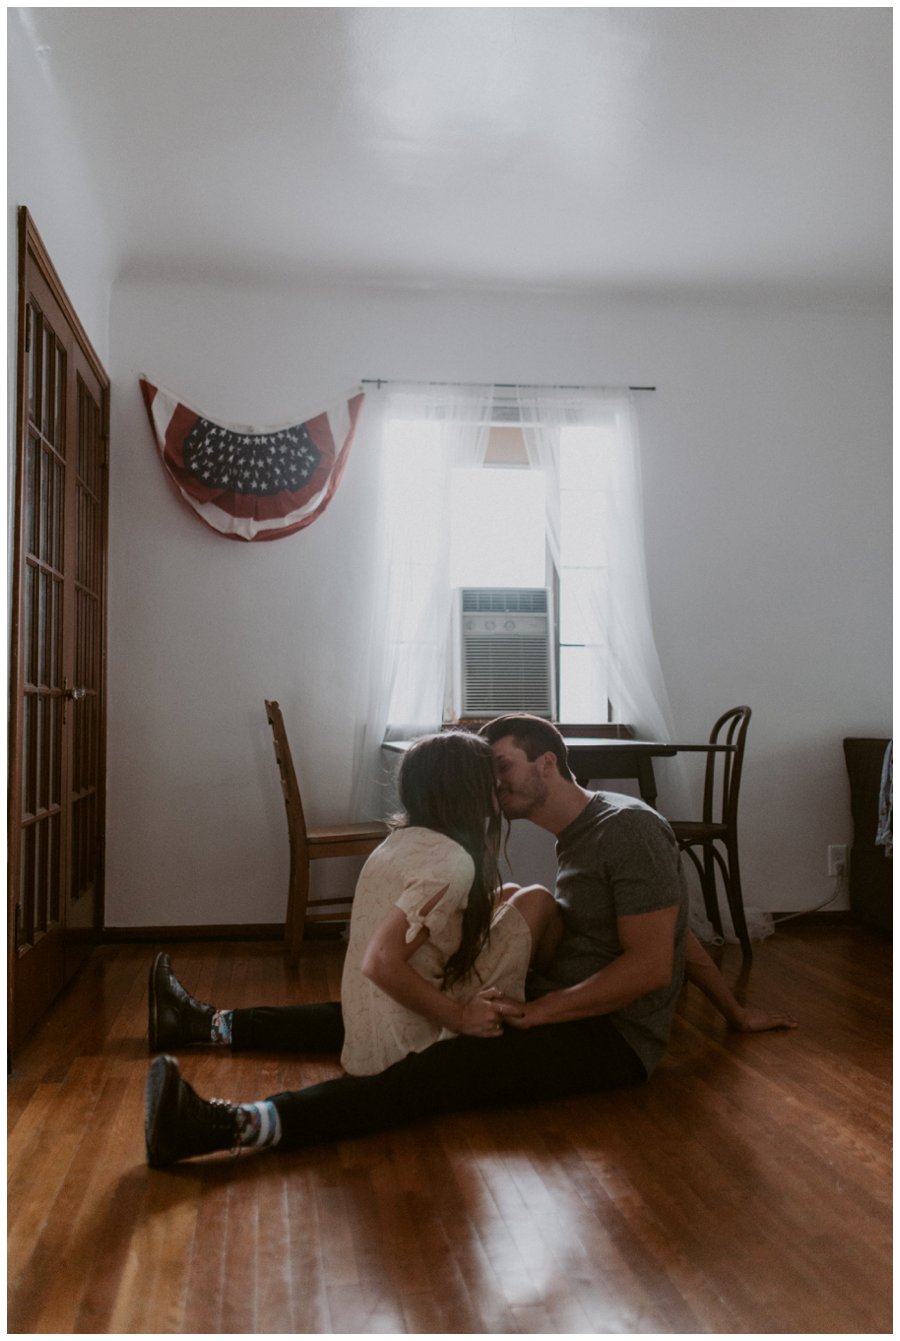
point(252, 483)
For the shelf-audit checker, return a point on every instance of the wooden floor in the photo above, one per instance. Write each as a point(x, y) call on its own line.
point(746, 1189)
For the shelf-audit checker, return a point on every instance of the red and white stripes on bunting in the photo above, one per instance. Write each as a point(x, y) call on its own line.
point(252, 483)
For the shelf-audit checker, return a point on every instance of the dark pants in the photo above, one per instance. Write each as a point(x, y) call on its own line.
point(317, 1028)
point(527, 1066)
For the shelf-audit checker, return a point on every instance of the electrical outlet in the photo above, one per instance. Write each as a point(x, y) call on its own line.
point(837, 859)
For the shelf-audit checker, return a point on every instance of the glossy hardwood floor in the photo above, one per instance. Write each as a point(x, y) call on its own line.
point(746, 1189)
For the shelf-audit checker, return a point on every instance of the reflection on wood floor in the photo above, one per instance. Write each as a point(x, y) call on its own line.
point(746, 1189)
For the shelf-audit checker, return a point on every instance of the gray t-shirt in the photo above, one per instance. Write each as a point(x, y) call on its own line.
point(617, 858)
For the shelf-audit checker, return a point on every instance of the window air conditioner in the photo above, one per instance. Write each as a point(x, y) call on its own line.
point(503, 652)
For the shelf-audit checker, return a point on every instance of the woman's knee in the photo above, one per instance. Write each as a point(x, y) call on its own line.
point(532, 896)
point(537, 905)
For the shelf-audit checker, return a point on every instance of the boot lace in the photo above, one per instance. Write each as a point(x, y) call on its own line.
point(216, 1120)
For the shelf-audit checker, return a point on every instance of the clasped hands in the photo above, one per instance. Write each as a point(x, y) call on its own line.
point(486, 1013)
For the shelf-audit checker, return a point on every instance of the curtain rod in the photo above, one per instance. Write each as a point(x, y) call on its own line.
point(501, 386)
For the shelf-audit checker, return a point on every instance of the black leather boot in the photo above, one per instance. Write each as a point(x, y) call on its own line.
point(178, 1124)
point(176, 1019)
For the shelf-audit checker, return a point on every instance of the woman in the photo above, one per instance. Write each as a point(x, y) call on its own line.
point(435, 939)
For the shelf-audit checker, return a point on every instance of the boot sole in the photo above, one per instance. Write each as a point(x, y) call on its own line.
point(163, 1078)
point(153, 1044)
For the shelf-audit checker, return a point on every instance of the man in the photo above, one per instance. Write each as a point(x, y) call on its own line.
point(599, 1019)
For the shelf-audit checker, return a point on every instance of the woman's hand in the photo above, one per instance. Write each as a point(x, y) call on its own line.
point(481, 1017)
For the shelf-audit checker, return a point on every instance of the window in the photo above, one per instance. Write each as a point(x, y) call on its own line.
point(585, 442)
point(496, 536)
point(497, 526)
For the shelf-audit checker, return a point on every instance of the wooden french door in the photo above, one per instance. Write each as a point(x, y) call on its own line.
point(57, 655)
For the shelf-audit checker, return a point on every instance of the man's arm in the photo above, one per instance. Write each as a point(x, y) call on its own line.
point(645, 964)
point(700, 970)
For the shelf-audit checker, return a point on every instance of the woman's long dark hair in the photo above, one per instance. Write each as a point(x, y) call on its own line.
point(446, 783)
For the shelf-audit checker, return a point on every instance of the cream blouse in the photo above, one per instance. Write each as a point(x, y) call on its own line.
point(407, 871)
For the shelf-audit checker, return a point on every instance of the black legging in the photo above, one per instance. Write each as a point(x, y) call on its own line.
point(316, 1028)
point(521, 1066)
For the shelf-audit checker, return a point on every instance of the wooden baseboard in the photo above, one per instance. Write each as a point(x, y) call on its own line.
point(250, 931)
point(837, 917)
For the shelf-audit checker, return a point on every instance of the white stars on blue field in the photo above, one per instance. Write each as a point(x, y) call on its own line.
point(256, 463)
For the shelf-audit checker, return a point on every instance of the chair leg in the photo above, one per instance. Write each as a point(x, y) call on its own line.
point(708, 885)
point(735, 898)
point(295, 922)
point(707, 888)
point(710, 895)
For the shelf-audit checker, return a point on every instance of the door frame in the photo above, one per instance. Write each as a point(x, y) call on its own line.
point(31, 251)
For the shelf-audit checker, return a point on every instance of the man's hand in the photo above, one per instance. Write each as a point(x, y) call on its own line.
point(755, 1020)
point(519, 1014)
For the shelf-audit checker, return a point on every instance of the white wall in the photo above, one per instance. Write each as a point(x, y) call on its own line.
point(766, 454)
point(47, 172)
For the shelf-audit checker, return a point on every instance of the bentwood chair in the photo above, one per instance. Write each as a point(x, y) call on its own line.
point(715, 836)
point(309, 844)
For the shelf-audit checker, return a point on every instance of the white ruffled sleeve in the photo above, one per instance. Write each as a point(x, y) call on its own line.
point(441, 920)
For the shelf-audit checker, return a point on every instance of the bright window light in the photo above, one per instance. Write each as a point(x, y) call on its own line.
point(497, 528)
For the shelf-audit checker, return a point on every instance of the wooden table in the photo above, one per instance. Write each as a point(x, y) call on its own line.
point(590, 758)
point(593, 757)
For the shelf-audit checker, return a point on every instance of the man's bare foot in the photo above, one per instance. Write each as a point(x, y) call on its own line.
point(755, 1020)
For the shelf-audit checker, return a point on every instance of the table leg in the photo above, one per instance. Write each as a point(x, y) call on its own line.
point(647, 781)
point(638, 767)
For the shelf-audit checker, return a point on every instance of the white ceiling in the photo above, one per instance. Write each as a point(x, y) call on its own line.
point(663, 150)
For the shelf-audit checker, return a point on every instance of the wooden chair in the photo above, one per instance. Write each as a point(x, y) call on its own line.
point(715, 835)
point(312, 844)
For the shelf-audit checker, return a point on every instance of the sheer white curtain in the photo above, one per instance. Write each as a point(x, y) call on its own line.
point(586, 443)
point(426, 433)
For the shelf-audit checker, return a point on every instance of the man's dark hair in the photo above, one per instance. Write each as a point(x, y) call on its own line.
point(532, 734)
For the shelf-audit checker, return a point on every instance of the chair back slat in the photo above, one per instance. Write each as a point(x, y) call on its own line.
point(730, 729)
point(323, 841)
point(289, 786)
